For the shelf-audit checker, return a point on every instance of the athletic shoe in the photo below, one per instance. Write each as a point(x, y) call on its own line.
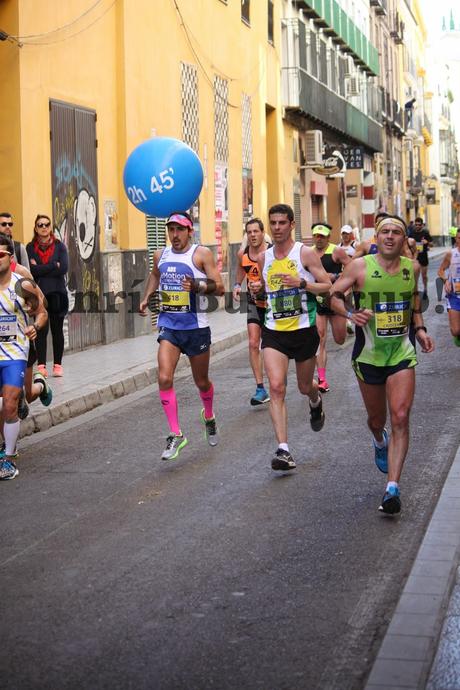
point(317, 417)
point(42, 369)
point(391, 501)
point(323, 386)
point(210, 429)
point(381, 454)
point(8, 470)
point(23, 408)
point(260, 397)
point(174, 444)
point(58, 370)
point(46, 395)
point(283, 461)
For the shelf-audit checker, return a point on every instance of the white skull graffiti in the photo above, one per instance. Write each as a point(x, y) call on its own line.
point(84, 215)
point(61, 233)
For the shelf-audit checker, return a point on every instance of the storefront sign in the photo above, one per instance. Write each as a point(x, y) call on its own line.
point(352, 191)
point(430, 195)
point(333, 166)
point(354, 157)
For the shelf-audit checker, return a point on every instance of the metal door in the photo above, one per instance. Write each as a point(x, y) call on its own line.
point(75, 217)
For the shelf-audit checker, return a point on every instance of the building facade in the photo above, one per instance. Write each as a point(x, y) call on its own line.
point(86, 85)
point(331, 102)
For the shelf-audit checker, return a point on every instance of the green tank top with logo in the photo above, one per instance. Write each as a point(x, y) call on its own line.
point(387, 339)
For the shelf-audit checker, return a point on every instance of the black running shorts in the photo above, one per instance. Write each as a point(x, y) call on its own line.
point(299, 345)
point(377, 376)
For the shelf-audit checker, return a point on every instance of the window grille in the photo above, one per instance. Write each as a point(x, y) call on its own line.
point(246, 131)
point(189, 105)
point(220, 119)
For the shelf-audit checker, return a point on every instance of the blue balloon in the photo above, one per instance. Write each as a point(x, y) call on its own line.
point(163, 175)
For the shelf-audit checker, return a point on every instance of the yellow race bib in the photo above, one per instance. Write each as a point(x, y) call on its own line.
point(392, 318)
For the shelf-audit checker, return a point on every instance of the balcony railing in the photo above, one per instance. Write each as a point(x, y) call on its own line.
point(304, 93)
point(398, 116)
point(334, 21)
point(397, 30)
point(381, 6)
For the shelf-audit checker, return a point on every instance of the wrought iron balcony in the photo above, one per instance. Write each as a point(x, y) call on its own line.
point(303, 93)
point(397, 31)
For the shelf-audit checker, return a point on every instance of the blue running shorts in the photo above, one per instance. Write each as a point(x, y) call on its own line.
point(191, 342)
point(453, 302)
point(12, 372)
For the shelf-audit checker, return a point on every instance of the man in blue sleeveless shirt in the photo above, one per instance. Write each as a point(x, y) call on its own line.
point(183, 273)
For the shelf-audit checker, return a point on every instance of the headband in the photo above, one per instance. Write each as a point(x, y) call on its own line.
point(390, 220)
point(180, 220)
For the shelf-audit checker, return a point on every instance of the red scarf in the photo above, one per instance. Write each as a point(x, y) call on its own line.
point(45, 251)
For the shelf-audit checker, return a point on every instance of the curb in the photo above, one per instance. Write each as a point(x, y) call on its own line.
point(408, 649)
point(106, 392)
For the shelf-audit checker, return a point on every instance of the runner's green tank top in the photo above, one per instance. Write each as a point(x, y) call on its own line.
point(388, 337)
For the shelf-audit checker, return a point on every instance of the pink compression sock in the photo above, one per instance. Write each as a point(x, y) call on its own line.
point(322, 373)
point(208, 397)
point(169, 403)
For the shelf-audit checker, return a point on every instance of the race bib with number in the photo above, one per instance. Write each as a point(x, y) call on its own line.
point(392, 318)
point(419, 246)
point(173, 299)
point(456, 286)
point(286, 303)
point(8, 328)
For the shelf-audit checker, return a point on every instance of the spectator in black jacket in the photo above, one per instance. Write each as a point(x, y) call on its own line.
point(49, 262)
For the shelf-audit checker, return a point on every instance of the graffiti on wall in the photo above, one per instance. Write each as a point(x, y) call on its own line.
point(75, 223)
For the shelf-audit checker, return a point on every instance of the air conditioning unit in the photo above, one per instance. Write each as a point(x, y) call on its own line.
point(353, 86)
point(314, 147)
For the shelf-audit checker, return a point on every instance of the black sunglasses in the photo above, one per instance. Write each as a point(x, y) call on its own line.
point(43, 225)
point(7, 224)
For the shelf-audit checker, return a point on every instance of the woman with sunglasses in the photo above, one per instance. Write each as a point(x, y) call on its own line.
point(49, 262)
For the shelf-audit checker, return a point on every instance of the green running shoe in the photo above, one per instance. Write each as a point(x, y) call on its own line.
point(210, 430)
point(174, 444)
point(46, 395)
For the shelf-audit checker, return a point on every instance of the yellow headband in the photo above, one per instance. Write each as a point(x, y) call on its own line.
point(390, 220)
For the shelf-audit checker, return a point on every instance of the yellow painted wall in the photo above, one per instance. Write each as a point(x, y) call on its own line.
point(123, 59)
point(10, 120)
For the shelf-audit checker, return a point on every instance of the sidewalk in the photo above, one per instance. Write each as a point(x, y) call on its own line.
point(105, 372)
point(414, 635)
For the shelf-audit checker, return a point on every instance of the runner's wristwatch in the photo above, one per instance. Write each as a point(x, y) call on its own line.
point(303, 284)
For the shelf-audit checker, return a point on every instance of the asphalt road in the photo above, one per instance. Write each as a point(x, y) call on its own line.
point(118, 570)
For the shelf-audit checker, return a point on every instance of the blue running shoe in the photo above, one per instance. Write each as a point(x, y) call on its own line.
point(8, 470)
point(391, 501)
point(381, 454)
point(260, 397)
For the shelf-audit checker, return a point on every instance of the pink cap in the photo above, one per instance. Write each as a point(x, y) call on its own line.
point(180, 220)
